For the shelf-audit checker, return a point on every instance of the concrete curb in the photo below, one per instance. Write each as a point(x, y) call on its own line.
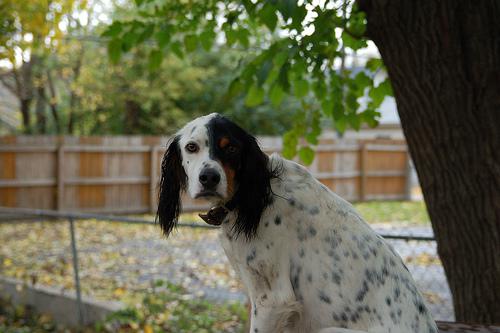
point(61, 305)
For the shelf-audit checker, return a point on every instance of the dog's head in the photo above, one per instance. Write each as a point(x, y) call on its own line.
point(216, 160)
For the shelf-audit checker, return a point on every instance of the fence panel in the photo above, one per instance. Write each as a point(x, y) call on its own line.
point(120, 174)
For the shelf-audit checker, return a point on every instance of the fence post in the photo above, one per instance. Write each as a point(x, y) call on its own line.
point(362, 171)
point(76, 272)
point(152, 184)
point(60, 177)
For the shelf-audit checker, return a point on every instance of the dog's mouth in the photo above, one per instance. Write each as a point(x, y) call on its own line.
point(208, 194)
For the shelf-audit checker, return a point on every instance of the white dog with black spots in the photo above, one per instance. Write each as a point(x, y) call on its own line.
point(309, 262)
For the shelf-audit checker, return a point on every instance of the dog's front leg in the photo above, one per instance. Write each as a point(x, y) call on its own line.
point(274, 317)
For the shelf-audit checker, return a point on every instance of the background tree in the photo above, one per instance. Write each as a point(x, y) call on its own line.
point(129, 98)
point(444, 63)
point(65, 83)
point(31, 31)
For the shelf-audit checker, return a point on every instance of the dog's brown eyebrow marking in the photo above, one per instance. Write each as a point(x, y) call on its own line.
point(224, 141)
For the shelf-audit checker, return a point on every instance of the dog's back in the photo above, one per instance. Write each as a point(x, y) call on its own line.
point(315, 255)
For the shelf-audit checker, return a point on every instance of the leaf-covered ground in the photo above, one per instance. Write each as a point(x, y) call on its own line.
point(117, 261)
point(122, 261)
point(169, 309)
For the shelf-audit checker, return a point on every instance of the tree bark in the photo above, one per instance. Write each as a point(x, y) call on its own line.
point(73, 96)
point(25, 113)
point(24, 87)
point(443, 59)
point(53, 101)
point(41, 118)
point(132, 113)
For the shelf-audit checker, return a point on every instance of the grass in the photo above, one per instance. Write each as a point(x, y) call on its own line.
point(170, 309)
point(21, 319)
point(167, 309)
point(413, 212)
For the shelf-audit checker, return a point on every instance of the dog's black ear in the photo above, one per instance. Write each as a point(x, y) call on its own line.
point(172, 183)
point(254, 192)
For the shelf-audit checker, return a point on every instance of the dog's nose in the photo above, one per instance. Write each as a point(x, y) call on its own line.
point(209, 178)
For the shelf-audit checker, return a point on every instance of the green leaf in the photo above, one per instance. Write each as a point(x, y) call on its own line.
point(207, 38)
point(362, 81)
point(263, 72)
point(378, 93)
point(298, 15)
point(272, 76)
point(235, 88)
point(338, 109)
point(370, 117)
point(306, 155)
point(299, 67)
point(312, 138)
point(231, 36)
point(319, 88)
point(129, 39)
point(283, 77)
point(300, 87)
point(114, 50)
point(155, 59)
point(162, 38)
point(374, 64)
point(280, 59)
point(354, 121)
point(255, 96)
point(248, 72)
point(175, 47)
point(351, 101)
point(357, 22)
point(276, 95)
point(287, 8)
point(146, 33)
point(242, 36)
point(190, 42)
point(340, 124)
point(112, 30)
point(327, 107)
point(290, 141)
point(268, 16)
point(352, 42)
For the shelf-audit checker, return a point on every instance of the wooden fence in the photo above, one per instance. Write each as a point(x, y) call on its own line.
point(120, 174)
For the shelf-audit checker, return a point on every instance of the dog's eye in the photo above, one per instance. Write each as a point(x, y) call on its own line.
point(231, 149)
point(192, 147)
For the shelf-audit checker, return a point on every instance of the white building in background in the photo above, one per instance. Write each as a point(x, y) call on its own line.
point(9, 112)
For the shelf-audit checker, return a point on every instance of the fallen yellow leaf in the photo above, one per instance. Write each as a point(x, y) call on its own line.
point(148, 329)
point(118, 292)
point(7, 262)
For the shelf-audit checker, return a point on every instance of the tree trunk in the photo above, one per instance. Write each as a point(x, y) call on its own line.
point(73, 96)
point(24, 82)
point(132, 113)
point(41, 118)
point(25, 113)
point(53, 101)
point(443, 59)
